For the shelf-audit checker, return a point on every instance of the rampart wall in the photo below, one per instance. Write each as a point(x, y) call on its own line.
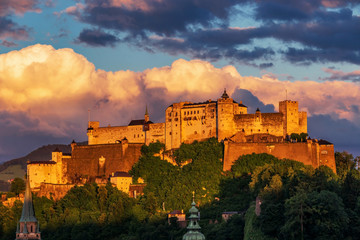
point(309, 153)
point(101, 160)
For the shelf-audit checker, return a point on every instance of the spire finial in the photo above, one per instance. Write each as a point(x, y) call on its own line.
point(225, 95)
point(146, 110)
point(193, 192)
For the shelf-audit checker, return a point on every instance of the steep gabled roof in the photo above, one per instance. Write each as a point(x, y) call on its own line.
point(138, 122)
point(28, 214)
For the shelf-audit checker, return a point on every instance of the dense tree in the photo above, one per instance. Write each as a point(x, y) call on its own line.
point(316, 215)
point(344, 163)
point(17, 186)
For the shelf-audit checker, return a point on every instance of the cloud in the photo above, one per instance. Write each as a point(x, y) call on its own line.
point(97, 37)
point(343, 133)
point(342, 76)
point(47, 93)
point(323, 30)
point(18, 7)
point(9, 29)
point(8, 43)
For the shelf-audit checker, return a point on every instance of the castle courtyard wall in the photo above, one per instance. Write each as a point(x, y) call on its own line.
point(258, 123)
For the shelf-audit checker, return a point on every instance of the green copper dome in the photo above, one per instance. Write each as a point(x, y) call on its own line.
point(193, 227)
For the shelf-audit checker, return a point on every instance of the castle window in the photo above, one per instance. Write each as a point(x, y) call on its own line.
point(191, 112)
point(203, 131)
point(198, 111)
point(195, 132)
point(175, 114)
point(169, 133)
point(134, 135)
point(138, 134)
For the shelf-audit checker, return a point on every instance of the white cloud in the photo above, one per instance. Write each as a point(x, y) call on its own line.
point(56, 87)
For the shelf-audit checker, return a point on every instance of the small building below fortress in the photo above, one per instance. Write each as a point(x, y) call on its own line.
point(118, 148)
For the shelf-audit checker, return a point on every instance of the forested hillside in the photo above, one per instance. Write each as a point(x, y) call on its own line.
point(297, 201)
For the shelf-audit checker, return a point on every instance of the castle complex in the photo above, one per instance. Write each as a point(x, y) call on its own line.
point(186, 122)
point(115, 149)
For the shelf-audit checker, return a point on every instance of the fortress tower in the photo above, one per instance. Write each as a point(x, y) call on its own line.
point(293, 120)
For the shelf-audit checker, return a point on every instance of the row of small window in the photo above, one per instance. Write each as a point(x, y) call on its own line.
point(190, 112)
point(138, 135)
point(195, 132)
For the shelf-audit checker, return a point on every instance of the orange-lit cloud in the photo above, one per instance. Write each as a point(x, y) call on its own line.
point(55, 88)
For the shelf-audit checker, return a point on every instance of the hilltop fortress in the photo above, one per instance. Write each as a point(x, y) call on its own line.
point(186, 122)
point(116, 148)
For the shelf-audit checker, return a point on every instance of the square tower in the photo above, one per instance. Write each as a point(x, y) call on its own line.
point(293, 120)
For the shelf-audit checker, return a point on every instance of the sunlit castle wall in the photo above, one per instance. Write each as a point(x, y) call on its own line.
point(294, 121)
point(53, 171)
point(104, 135)
point(198, 121)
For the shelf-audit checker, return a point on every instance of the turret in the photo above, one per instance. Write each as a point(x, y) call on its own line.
point(56, 155)
point(193, 227)
point(92, 126)
point(225, 116)
point(73, 145)
point(28, 227)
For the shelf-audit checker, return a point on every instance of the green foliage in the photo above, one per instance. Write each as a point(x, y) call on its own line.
point(315, 215)
point(251, 229)
point(344, 163)
point(152, 148)
point(17, 186)
point(299, 137)
point(171, 185)
point(246, 164)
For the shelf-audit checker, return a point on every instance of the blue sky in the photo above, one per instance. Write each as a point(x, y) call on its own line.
point(292, 43)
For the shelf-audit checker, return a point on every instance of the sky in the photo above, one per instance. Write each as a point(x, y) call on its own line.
point(60, 59)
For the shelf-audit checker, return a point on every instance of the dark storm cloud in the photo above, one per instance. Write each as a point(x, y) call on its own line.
point(165, 17)
point(17, 137)
point(97, 38)
point(251, 101)
point(343, 133)
point(307, 56)
point(201, 29)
